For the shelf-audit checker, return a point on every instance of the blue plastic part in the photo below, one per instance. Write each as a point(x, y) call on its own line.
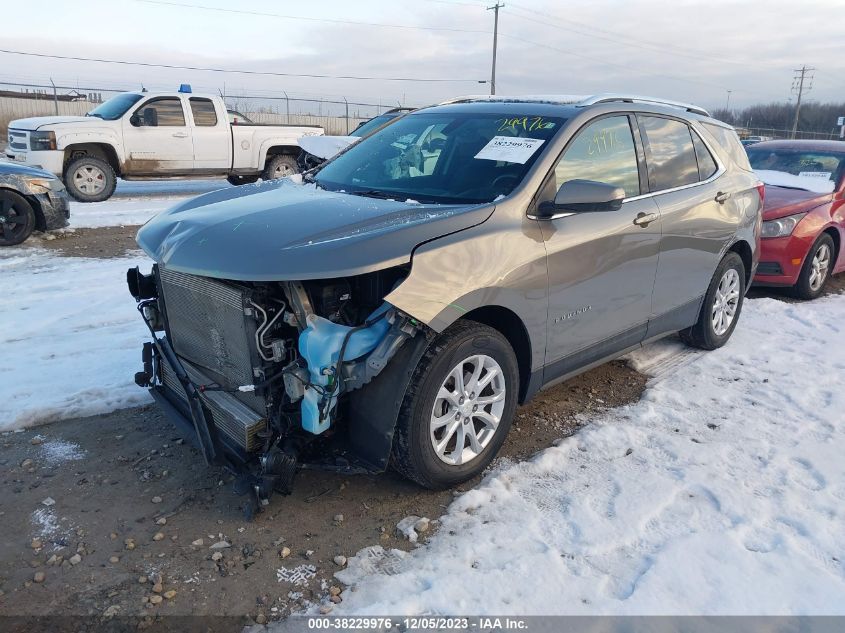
point(186, 88)
point(319, 345)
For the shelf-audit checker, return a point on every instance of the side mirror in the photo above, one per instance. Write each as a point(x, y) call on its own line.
point(582, 196)
point(135, 120)
point(150, 117)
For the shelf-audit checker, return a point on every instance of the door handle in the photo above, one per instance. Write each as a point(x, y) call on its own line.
point(722, 196)
point(644, 219)
point(180, 134)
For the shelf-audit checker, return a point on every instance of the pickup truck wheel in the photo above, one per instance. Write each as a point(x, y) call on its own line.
point(17, 218)
point(458, 408)
point(90, 179)
point(816, 269)
point(280, 166)
point(721, 307)
point(241, 180)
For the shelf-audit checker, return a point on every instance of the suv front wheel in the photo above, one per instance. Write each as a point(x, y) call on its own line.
point(458, 407)
point(722, 305)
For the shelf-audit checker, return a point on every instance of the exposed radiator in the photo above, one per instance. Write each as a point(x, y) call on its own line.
point(228, 414)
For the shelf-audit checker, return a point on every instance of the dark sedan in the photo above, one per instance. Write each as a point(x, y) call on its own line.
point(30, 199)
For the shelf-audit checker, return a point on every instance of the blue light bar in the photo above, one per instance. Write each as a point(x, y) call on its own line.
point(186, 88)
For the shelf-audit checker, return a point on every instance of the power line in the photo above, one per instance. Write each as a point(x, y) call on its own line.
point(283, 16)
point(236, 71)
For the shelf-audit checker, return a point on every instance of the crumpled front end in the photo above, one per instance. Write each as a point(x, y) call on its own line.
point(262, 376)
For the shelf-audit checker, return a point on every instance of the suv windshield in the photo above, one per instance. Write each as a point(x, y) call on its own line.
point(115, 107)
point(455, 157)
point(816, 171)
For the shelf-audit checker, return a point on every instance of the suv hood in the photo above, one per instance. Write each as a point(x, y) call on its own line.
point(38, 122)
point(281, 231)
point(781, 201)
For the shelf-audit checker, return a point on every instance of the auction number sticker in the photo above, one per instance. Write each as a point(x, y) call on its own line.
point(510, 149)
point(814, 174)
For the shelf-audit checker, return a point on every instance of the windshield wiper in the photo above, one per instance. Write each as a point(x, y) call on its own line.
point(99, 116)
point(374, 193)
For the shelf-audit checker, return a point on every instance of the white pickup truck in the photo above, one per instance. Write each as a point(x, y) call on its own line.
point(143, 135)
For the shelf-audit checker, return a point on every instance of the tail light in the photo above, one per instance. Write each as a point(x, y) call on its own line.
point(761, 189)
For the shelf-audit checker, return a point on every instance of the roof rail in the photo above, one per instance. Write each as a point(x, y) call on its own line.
point(554, 99)
point(613, 97)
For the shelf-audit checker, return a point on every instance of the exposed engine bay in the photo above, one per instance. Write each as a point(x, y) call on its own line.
point(273, 376)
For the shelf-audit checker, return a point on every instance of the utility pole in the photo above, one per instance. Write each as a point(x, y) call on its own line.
point(801, 82)
point(495, 8)
point(728, 103)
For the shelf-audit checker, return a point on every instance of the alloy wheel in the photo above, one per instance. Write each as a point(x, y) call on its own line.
point(467, 409)
point(820, 265)
point(13, 221)
point(725, 302)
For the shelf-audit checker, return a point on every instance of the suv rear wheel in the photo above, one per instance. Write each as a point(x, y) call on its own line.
point(458, 407)
point(722, 305)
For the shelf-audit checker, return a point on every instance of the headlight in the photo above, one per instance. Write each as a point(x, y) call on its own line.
point(39, 141)
point(44, 184)
point(782, 226)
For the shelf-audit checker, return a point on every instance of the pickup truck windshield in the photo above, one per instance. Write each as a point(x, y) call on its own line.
point(465, 157)
point(115, 107)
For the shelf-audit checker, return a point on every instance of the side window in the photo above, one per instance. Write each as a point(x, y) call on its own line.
point(603, 151)
point(203, 112)
point(672, 162)
point(706, 165)
point(166, 112)
point(729, 143)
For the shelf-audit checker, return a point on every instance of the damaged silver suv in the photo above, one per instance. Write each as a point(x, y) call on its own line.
point(397, 305)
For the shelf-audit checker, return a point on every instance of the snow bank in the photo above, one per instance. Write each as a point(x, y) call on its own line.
point(71, 337)
point(721, 492)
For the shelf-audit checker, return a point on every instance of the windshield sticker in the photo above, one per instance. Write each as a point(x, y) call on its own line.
point(529, 124)
point(815, 174)
point(510, 149)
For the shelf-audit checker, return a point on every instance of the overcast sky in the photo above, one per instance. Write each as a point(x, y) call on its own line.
point(691, 50)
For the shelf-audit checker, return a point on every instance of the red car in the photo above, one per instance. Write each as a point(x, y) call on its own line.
point(804, 213)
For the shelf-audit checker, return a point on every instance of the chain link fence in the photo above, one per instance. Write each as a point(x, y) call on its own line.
point(335, 116)
point(773, 133)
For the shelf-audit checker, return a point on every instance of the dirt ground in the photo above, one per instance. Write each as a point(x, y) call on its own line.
point(137, 505)
point(105, 242)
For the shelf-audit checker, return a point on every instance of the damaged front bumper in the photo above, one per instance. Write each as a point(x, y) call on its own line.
point(333, 407)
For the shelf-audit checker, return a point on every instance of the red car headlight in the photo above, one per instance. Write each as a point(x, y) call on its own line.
point(782, 226)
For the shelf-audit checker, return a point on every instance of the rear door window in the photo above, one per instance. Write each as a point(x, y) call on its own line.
point(671, 160)
point(203, 112)
point(603, 151)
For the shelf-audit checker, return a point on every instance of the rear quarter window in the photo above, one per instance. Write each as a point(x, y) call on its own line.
point(728, 143)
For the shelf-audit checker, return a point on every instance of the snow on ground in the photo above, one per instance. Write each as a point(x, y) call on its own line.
point(71, 338)
point(135, 202)
point(721, 492)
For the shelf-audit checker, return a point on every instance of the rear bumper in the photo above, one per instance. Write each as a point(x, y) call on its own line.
point(781, 260)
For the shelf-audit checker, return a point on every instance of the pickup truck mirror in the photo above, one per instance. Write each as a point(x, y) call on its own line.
point(150, 117)
point(135, 120)
point(581, 196)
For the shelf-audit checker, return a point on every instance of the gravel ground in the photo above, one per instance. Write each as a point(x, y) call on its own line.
point(90, 508)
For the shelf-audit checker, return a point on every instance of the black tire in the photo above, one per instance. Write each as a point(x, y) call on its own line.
point(413, 454)
point(703, 334)
point(280, 166)
point(17, 218)
point(241, 180)
point(83, 187)
point(804, 289)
